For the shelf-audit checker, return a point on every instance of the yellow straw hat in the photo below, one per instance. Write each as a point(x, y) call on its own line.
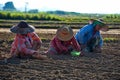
point(64, 33)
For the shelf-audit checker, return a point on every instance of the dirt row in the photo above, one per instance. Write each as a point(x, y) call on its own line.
point(111, 31)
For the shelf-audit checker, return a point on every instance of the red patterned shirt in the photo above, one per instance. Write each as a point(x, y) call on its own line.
point(61, 46)
point(24, 43)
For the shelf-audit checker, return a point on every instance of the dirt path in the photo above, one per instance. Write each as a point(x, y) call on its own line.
point(111, 31)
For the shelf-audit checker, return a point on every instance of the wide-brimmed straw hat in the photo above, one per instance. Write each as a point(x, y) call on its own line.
point(64, 33)
point(22, 28)
point(102, 24)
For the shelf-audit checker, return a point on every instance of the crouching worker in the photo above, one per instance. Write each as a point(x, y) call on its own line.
point(89, 36)
point(26, 42)
point(63, 42)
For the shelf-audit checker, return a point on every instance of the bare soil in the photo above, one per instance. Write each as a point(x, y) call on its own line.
point(94, 66)
point(111, 31)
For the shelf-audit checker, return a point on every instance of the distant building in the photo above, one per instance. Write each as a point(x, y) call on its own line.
point(9, 6)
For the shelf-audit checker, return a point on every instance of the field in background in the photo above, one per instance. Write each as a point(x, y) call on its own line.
point(52, 24)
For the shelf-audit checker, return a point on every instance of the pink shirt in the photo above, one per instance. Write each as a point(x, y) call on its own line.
point(63, 45)
point(24, 44)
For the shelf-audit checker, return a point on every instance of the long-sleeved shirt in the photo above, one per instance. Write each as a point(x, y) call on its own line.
point(86, 33)
point(24, 43)
point(61, 46)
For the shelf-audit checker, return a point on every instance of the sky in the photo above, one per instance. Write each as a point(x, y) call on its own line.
point(81, 6)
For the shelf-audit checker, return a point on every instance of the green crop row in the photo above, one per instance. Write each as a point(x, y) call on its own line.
point(42, 16)
point(28, 16)
point(111, 39)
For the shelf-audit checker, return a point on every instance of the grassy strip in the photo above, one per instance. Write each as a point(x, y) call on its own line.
point(108, 40)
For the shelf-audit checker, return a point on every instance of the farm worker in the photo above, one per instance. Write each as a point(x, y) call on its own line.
point(26, 41)
point(89, 36)
point(63, 42)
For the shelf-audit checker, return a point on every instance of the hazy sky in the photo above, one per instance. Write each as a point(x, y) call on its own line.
point(82, 6)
